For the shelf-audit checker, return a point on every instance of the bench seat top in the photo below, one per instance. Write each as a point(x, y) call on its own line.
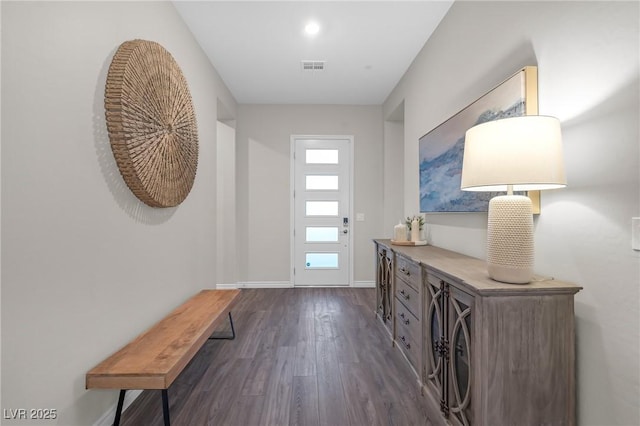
point(155, 358)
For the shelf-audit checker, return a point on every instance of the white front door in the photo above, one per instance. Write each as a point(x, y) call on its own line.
point(321, 211)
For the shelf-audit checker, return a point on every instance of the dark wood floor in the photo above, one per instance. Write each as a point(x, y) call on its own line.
point(301, 357)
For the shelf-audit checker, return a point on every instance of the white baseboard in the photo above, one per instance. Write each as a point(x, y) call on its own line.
point(284, 284)
point(264, 284)
point(107, 418)
point(226, 286)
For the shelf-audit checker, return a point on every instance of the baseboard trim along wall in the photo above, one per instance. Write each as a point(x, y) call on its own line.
point(107, 418)
point(283, 284)
point(264, 284)
point(226, 286)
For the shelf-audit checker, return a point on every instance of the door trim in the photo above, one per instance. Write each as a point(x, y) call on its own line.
point(292, 182)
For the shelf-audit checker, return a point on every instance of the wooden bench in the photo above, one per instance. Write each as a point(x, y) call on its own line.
point(154, 359)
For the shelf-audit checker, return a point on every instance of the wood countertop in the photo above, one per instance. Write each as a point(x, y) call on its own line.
point(472, 272)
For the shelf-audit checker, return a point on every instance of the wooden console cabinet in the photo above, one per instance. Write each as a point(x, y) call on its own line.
point(485, 352)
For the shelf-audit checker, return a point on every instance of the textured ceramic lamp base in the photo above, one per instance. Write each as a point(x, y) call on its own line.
point(510, 239)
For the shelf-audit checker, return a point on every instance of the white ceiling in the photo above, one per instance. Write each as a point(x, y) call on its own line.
point(257, 46)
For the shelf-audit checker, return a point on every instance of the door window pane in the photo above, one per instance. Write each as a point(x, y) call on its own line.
point(321, 208)
point(321, 156)
point(321, 260)
point(321, 182)
point(322, 234)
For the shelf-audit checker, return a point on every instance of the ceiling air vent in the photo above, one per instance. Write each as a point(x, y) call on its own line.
point(313, 65)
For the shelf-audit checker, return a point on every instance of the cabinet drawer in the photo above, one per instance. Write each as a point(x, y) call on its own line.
point(409, 321)
point(408, 271)
point(408, 345)
point(409, 297)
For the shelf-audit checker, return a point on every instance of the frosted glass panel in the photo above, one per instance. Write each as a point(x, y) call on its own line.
point(321, 182)
point(322, 234)
point(322, 260)
point(321, 208)
point(321, 156)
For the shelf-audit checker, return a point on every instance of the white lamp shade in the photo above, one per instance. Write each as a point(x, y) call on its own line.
point(525, 152)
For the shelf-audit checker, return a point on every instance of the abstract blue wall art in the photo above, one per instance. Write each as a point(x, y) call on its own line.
point(441, 150)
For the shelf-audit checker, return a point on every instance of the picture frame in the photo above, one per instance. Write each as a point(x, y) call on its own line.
point(441, 149)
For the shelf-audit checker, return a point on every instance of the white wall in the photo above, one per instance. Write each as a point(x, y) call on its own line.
point(393, 174)
point(226, 206)
point(588, 62)
point(85, 265)
point(263, 155)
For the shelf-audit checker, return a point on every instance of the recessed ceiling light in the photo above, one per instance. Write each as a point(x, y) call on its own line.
point(312, 28)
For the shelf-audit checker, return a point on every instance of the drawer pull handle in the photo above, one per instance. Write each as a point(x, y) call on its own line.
point(404, 342)
point(405, 295)
point(406, 321)
point(405, 271)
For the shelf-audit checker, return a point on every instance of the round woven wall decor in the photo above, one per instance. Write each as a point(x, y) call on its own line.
point(151, 123)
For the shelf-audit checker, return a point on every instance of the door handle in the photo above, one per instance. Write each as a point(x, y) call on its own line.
point(344, 231)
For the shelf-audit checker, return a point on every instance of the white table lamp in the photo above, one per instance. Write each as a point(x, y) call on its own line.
point(512, 154)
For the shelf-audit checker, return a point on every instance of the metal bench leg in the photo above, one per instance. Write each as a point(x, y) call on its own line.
point(233, 332)
point(165, 407)
point(116, 421)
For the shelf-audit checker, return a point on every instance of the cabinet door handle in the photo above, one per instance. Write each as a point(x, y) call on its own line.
point(405, 295)
point(404, 342)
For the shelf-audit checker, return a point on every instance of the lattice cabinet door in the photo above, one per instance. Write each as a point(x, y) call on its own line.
point(388, 295)
point(380, 281)
point(460, 337)
point(434, 364)
point(448, 344)
point(384, 286)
